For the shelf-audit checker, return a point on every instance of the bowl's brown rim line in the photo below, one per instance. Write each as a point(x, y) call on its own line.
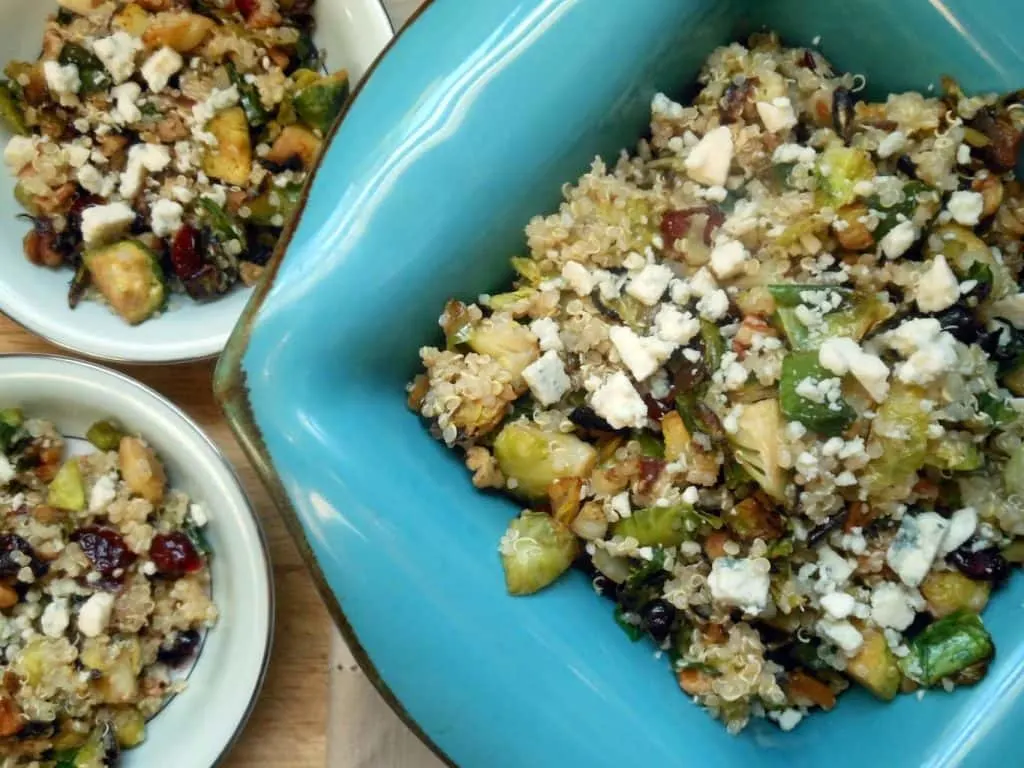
point(231, 393)
point(233, 474)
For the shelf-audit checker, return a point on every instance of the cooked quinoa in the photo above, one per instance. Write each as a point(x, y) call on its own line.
point(104, 593)
point(161, 145)
point(762, 380)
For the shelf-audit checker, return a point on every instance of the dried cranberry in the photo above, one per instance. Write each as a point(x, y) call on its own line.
point(656, 409)
point(656, 618)
point(185, 258)
point(675, 225)
point(10, 563)
point(246, 7)
point(808, 61)
point(986, 564)
point(174, 555)
point(181, 649)
point(105, 549)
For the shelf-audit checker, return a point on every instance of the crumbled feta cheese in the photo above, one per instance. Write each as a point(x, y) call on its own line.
point(161, 67)
point(794, 153)
point(963, 154)
point(962, 525)
point(19, 152)
point(547, 379)
point(103, 223)
point(55, 618)
point(546, 331)
point(197, 514)
point(103, 492)
point(218, 99)
point(149, 568)
point(929, 350)
point(617, 402)
point(77, 155)
point(916, 544)
point(675, 327)
point(142, 158)
point(892, 144)
point(61, 79)
point(841, 355)
point(663, 106)
point(125, 98)
point(842, 633)
point(890, 607)
point(728, 258)
point(740, 582)
point(777, 115)
point(578, 278)
point(94, 615)
point(838, 605)
point(642, 355)
point(714, 306)
point(7, 471)
point(165, 217)
point(938, 288)
point(679, 291)
point(788, 719)
point(648, 286)
point(117, 53)
point(833, 569)
point(734, 376)
point(93, 181)
point(965, 207)
point(898, 240)
point(708, 162)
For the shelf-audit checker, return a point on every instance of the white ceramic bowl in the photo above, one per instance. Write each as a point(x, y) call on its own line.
point(198, 726)
point(352, 31)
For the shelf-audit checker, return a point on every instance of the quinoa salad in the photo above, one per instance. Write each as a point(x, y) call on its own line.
point(160, 146)
point(104, 593)
point(762, 381)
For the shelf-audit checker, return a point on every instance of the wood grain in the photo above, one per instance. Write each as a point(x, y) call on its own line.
point(289, 726)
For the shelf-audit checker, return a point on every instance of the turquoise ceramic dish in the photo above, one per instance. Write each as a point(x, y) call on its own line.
point(467, 127)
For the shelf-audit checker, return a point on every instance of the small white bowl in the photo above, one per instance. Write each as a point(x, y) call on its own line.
point(197, 727)
point(353, 32)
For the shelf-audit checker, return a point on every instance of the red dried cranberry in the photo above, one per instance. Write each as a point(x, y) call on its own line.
point(105, 549)
point(650, 471)
point(986, 564)
point(185, 258)
point(675, 225)
point(246, 7)
point(10, 564)
point(174, 555)
point(656, 409)
point(181, 649)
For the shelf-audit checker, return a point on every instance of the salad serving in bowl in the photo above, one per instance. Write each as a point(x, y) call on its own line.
point(134, 579)
point(158, 150)
point(676, 476)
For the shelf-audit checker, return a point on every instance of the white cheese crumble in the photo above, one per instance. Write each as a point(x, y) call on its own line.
point(61, 79)
point(197, 513)
point(642, 355)
point(938, 288)
point(6, 470)
point(161, 67)
point(125, 97)
point(546, 378)
point(675, 327)
point(892, 144)
point(649, 284)
point(965, 207)
point(917, 542)
point(546, 331)
point(740, 582)
point(578, 278)
point(838, 605)
point(930, 352)
point(714, 305)
point(103, 223)
point(20, 151)
point(841, 355)
point(617, 402)
point(708, 163)
point(891, 607)
point(117, 53)
point(842, 633)
point(728, 258)
point(94, 615)
point(962, 525)
point(777, 114)
point(794, 153)
point(103, 492)
point(141, 158)
point(898, 240)
point(165, 217)
point(55, 618)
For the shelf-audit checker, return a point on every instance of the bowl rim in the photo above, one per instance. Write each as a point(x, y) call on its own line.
point(139, 391)
point(231, 393)
point(218, 345)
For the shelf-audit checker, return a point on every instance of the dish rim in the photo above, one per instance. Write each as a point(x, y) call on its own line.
point(222, 346)
point(230, 392)
point(138, 388)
